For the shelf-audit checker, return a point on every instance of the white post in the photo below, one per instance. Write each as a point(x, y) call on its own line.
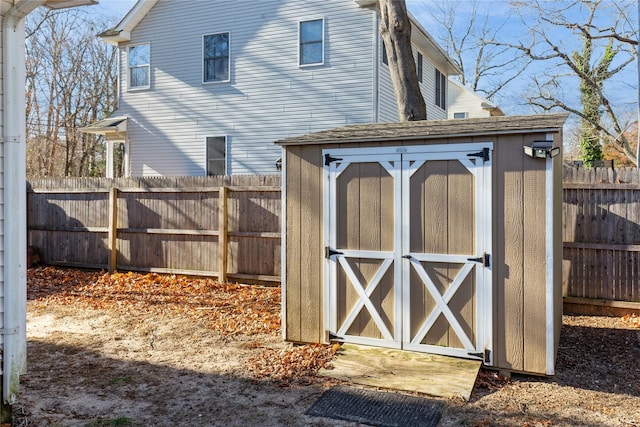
point(14, 336)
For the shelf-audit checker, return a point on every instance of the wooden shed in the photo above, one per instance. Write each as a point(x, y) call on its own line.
point(434, 236)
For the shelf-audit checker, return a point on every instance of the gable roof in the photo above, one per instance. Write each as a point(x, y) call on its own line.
point(122, 31)
point(429, 129)
point(485, 104)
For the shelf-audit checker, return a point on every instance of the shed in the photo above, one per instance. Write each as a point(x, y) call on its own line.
point(434, 236)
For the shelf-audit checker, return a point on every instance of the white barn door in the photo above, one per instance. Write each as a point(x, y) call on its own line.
point(408, 240)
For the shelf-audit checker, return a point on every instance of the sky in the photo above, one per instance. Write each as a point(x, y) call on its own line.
point(625, 87)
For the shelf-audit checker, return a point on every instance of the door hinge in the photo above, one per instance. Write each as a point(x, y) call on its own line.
point(484, 154)
point(486, 356)
point(335, 338)
point(328, 159)
point(329, 252)
point(484, 259)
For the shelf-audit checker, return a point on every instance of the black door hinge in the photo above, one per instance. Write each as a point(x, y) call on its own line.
point(329, 252)
point(328, 159)
point(484, 154)
point(486, 356)
point(484, 259)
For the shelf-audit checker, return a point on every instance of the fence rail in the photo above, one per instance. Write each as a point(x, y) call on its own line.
point(213, 226)
point(601, 234)
point(230, 227)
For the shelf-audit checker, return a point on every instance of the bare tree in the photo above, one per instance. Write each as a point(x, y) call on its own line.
point(71, 82)
point(468, 35)
point(603, 39)
point(395, 28)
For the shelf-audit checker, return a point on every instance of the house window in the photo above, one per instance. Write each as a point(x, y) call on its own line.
point(459, 115)
point(441, 90)
point(216, 155)
point(139, 62)
point(216, 57)
point(385, 58)
point(419, 67)
point(311, 38)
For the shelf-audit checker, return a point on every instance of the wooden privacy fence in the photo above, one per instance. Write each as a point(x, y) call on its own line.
point(213, 226)
point(230, 227)
point(601, 236)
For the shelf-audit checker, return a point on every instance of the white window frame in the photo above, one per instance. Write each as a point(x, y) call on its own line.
point(206, 152)
point(228, 79)
point(458, 113)
point(129, 68)
point(313, 64)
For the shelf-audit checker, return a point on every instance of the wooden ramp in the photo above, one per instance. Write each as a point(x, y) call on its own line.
point(403, 370)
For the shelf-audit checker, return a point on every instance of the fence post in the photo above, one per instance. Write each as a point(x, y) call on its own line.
point(223, 234)
point(113, 228)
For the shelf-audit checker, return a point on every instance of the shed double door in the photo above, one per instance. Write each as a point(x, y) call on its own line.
point(407, 248)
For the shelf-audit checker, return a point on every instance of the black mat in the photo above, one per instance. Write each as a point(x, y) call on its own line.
point(376, 408)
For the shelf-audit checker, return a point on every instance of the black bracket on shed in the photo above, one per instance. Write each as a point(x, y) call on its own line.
point(484, 154)
point(328, 159)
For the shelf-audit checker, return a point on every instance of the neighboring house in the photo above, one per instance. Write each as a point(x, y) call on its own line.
point(206, 87)
point(13, 202)
point(466, 104)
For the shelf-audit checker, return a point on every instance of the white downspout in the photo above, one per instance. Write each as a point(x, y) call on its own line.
point(14, 360)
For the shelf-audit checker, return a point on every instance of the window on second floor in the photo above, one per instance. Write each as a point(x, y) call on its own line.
point(216, 155)
point(311, 42)
point(216, 58)
point(441, 90)
point(460, 115)
point(419, 67)
point(139, 64)
point(385, 58)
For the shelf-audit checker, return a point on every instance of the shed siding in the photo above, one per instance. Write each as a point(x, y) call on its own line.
point(170, 121)
point(519, 262)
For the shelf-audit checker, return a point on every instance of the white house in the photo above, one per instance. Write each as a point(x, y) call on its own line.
point(13, 204)
point(205, 87)
point(466, 104)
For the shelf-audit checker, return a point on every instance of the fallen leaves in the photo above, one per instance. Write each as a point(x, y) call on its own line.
point(227, 308)
point(298, 364)
point(633, 320)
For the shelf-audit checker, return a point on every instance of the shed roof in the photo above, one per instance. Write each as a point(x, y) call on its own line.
point(429, 129)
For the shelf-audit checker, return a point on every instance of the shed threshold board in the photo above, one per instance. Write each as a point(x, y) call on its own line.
point(403, 370)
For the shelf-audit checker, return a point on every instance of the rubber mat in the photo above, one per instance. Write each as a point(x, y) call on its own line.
point(377, 408)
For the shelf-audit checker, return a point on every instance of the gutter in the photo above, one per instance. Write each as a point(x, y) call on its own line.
point(14, 336)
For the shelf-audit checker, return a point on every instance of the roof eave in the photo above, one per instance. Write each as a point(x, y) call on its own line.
point(122, 31)
point(433, 129)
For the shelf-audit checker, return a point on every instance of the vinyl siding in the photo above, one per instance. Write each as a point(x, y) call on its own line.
point(463, 100)
point(387, 102)
point(269, 96)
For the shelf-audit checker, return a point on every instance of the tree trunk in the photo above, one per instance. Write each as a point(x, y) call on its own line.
point(395, 29)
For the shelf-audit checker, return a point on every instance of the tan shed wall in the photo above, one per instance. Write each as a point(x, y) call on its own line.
point(519, 248)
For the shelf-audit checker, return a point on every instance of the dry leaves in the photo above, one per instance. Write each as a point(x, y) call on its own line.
point(226, 308)
point(298, 364)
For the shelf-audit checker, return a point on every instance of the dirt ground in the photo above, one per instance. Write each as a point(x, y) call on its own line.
point(102, 352)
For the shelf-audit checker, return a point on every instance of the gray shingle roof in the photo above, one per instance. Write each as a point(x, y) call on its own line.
point(428, 129)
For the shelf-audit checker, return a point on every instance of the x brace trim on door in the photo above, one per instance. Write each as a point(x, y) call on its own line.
point(364, 297)
point(442, 303)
